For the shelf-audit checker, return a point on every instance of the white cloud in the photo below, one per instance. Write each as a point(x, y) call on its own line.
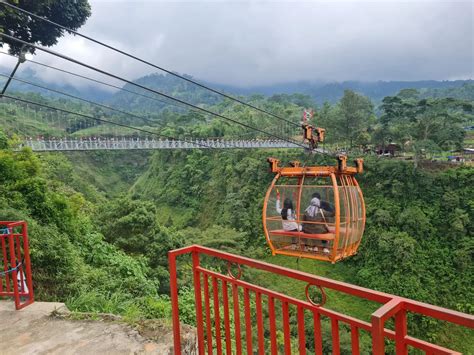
point(255, 43)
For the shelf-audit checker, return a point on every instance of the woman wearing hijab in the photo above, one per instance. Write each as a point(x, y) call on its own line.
point(317, 218)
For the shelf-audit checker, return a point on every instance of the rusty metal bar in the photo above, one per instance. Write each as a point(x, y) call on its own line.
point(238, 336)
point(248, 321)
point(301, 331)
point(174, 303)
point(207, 307)
point(198, 301)
point(225, 297)
point(355, 340)
point(286, 328)
point(260, 327)
point(318, 336)
point(392, 307)
point(272, 319)
point(401, 332)
point(336, 348)
point(217, 321)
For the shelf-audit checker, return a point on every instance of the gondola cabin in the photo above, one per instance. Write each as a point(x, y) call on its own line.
point(314, 212)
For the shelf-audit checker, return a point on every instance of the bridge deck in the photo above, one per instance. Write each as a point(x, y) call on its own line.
point(146, 144)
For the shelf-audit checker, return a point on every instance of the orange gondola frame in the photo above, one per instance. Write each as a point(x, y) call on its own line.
point(343, 235)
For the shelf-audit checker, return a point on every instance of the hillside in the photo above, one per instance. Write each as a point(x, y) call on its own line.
point(320, 92)
point(102, 223)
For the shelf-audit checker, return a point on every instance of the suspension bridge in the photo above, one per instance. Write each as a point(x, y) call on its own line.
point(124, 143)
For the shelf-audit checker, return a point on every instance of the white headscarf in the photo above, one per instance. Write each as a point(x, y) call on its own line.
point(313, 208)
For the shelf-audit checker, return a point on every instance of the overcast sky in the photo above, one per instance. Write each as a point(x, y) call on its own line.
point(264, 42)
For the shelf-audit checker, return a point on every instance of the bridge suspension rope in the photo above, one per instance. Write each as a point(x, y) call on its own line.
point(148, 63)
point(97, 119)
point(281, 130)
point(98, 81)
point(83, 100)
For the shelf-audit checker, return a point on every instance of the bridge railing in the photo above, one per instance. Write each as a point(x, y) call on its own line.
point(15, 265)
point(233, 314)
point(122, 143)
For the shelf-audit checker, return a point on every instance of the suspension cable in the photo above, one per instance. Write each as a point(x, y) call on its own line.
point(171, 103)
point(98, 81)
point(102, 120)
point(148, 63)
point(84, 100)
point(75, 61)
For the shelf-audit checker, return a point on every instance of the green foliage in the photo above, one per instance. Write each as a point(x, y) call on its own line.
point(423, 125)
point(354, 116)
point(418, 237)
point(102, 226)
point(32, 30)
point(71, 260)
point(3, 140)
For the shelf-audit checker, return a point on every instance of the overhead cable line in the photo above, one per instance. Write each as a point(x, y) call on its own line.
point(97, 81)
point(171, 103)
point(81, 99)
point(85, 100)
point(149, 63)
point(102, 120)
point(75, 61)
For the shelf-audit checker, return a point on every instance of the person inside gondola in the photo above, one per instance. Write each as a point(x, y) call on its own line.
point(288, 218)
point(318, 213)
point(287, 215)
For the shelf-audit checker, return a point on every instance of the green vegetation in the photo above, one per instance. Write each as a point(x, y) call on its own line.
point(32, 30)
point(101, 223)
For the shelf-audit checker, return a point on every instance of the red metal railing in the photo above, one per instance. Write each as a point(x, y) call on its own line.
point(15, 274)
point(222, 299)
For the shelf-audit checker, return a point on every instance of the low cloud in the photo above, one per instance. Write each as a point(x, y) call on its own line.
point(258, 43)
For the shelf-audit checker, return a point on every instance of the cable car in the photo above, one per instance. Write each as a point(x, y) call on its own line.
point(314, 212)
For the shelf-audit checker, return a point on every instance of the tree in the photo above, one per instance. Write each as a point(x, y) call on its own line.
point(424, 125)
point(3, 140)
point(356, 113)
point(72, 14)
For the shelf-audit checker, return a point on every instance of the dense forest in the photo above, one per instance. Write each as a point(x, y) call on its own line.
point(101, 223)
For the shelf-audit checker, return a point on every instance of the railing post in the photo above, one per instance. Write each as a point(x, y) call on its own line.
point(378, 339)
point(388, 310)
point(13, 265)
point(174, 303)
point(198, 300)
point(26, 252)
point(401, 332)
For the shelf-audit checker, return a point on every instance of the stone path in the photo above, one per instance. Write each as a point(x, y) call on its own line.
point(33, 331)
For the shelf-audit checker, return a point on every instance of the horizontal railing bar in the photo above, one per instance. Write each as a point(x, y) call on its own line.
point(360, 324)
point(358, 291)
point(284, 298)
point(426, 346)
point(440, 313)
point(11, 293)
point(183, 250)
point(377, 296)
point(13, 224)
point(11, 235)
point(391, 303)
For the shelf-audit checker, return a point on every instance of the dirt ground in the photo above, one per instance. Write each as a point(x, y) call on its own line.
point(34, 330)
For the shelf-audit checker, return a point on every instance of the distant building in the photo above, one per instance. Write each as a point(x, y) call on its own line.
point(463, 155)
point(391, 149)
